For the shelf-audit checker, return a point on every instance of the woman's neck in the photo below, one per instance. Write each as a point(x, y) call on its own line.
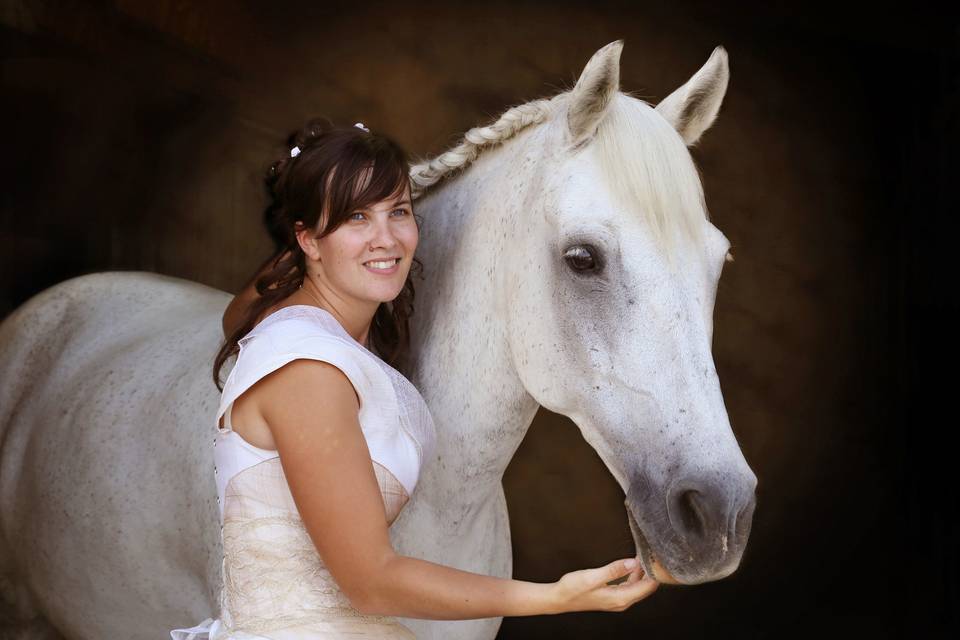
point(355, 320)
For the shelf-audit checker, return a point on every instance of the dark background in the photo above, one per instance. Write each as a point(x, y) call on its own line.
point(135, 136)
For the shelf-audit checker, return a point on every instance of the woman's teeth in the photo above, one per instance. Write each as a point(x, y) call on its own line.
point(384, 264)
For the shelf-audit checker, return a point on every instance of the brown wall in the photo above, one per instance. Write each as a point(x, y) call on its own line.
point(136, 134)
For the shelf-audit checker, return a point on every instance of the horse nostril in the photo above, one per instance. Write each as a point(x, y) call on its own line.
point(692, 513)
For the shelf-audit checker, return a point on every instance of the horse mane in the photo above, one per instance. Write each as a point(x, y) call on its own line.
point(429, 173)
point(643, 160)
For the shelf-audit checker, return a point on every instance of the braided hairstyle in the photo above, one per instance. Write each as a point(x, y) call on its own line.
point(338, 171)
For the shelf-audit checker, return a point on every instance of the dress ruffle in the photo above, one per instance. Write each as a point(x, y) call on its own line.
point(209, 629)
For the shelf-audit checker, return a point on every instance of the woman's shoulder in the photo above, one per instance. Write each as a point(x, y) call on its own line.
point(296, 326)
point(296, 332)
point(304, 332)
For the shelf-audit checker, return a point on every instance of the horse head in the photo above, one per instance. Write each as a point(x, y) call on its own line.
point(618, 274)
point(588, 242)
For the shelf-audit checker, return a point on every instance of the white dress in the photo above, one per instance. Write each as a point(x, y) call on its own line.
point(275, 585)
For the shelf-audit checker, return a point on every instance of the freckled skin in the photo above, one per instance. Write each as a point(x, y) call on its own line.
point(106, 501)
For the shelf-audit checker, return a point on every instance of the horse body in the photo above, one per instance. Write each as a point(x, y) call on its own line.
point(106, 451)
point(124, 526)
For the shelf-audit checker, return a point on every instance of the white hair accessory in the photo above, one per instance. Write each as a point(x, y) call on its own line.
point(296, 150)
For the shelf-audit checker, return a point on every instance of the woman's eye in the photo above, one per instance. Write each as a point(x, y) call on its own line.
point(403, 212)
point(358, 213)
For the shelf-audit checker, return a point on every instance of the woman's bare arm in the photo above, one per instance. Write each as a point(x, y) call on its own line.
point(328, 468)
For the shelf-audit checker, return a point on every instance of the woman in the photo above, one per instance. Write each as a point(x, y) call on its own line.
point(321, 441)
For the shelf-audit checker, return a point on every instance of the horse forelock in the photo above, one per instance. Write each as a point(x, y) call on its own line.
point(649, 171)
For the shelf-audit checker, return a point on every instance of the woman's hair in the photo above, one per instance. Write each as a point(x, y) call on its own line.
point(327, 175)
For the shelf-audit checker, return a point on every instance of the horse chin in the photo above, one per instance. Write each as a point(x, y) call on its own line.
point(651, 566)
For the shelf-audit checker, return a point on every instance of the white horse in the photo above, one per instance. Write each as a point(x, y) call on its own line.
point(569, 264)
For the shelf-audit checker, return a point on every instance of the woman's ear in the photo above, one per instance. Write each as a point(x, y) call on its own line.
point(306, 240)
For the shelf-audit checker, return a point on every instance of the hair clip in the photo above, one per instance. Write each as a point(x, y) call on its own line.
point(360, 125)
point(294, 152)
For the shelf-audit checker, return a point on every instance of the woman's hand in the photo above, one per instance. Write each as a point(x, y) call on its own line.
point(587, 589)
point(233, 315)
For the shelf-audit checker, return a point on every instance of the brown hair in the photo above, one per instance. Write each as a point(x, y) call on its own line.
point(327, 175)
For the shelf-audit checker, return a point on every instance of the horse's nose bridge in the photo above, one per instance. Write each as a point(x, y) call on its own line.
point(676, 341)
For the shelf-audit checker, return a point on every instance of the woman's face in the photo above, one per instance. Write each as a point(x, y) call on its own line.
point(359, 259)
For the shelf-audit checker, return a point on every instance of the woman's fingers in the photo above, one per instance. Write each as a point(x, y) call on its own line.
point(590, 589)
point(615, 569)
point(635, 575)
point(642, 588)
point(629, 593)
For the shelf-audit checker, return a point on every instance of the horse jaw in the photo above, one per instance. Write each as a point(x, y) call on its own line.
point(644, 553)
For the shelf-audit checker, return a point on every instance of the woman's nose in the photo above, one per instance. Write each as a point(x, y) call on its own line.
point(383, 235)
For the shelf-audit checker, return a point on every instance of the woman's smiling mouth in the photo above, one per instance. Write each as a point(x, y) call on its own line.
point(383, 267)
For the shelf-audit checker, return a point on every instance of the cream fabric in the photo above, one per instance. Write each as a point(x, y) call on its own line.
point(275, 584)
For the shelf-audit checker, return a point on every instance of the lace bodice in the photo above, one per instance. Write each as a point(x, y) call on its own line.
point(274, 579)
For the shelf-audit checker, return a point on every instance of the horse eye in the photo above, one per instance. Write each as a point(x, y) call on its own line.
point(580, 258)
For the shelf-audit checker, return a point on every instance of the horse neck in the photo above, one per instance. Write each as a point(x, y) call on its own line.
point(462, 362)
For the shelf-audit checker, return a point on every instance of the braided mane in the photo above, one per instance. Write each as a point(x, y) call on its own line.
point(427, 174)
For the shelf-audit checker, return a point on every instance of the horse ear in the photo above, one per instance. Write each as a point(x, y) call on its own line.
point(692, 108)
point(593, 92)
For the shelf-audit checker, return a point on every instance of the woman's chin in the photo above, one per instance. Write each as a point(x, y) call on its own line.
point(380, 296)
